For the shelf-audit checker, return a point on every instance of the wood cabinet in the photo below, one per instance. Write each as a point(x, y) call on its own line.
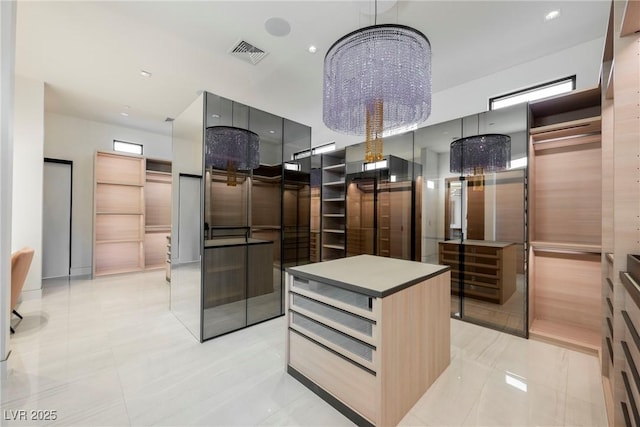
point(394, 219)
point(360, 217)
point(132, 207)
point(119, 214)
point(489, 268)
point(157, 196)
point(368, 334)
point(629, 341)
point(620, 325)
point(565, 221)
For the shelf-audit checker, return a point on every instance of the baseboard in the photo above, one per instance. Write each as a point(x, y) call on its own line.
point(4, 368)
point(29, 294)
point(80, 271)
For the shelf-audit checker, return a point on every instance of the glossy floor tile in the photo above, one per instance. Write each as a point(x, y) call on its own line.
point(109, 352)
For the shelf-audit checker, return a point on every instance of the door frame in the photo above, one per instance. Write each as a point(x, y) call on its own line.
point(70, 163)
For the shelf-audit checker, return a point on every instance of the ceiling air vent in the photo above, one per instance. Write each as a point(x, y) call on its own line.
point(248, 52)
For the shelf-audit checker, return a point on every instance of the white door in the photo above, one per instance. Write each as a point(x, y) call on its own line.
point(56, 219)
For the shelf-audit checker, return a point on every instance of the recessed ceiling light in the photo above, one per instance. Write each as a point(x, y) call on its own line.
point(144, 73)
point(272, 131)
point(215, 116)
point(124, 114)
point(552, 15)
point(312, 49)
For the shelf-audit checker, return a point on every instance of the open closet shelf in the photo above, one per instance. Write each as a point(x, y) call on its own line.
point(574, 247)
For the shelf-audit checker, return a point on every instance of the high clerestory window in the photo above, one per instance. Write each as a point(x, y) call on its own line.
point(127, 147)
point(545, 90)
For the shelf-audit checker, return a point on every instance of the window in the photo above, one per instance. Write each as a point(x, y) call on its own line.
point(324, 148)
point(533, 93)
point(292, 166)
point(127, 147)
point(315, 150)
point(380, 164)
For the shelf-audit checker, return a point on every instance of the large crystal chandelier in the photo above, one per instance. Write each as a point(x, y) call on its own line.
point(233, 149)
point(377, 82)
point(480, 153)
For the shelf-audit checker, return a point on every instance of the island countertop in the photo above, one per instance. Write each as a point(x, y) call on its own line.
point(369, 275)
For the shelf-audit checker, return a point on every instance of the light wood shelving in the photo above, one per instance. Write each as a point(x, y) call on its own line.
point(333, 206)
point(157, 197)
point(132, 207)
point(314, 250)
point(620, 312)
point(119, 214)
point(565, 222)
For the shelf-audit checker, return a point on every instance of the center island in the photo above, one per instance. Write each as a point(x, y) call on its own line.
point(368, 334)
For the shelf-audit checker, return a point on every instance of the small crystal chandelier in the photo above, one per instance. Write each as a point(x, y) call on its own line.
point(233, 149)
point(377, 82)
point(480, 153)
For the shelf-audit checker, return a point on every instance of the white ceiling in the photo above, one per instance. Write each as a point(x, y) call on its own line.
point(90, 53)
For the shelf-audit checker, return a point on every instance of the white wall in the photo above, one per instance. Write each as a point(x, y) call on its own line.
point(71, 138)
point(28, 141)
point(583, 60)
point(7, 65)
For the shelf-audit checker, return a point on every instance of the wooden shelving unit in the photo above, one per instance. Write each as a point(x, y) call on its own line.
point(132, 213)
point(315, 220)
point(333, 209)
point(157, 194)
point(565, 222)
point(384, 223)
point(620, 315)
point(119, 214)
point(360, 218)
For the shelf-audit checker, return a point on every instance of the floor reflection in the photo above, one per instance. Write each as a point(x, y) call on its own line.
point(508, 317)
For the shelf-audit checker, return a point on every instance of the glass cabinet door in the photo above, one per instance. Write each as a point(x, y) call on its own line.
point(475, 223)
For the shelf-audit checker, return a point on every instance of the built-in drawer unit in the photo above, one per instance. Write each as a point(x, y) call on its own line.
point(630, 343)
point(486, 269)
point(368, 344)
point(340, 320)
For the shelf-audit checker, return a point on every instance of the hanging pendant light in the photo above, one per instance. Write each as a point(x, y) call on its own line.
point(475, 155)
point(230, 148)
point(377, 81)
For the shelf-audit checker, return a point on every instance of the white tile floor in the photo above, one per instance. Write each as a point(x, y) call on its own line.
point(109, 352)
